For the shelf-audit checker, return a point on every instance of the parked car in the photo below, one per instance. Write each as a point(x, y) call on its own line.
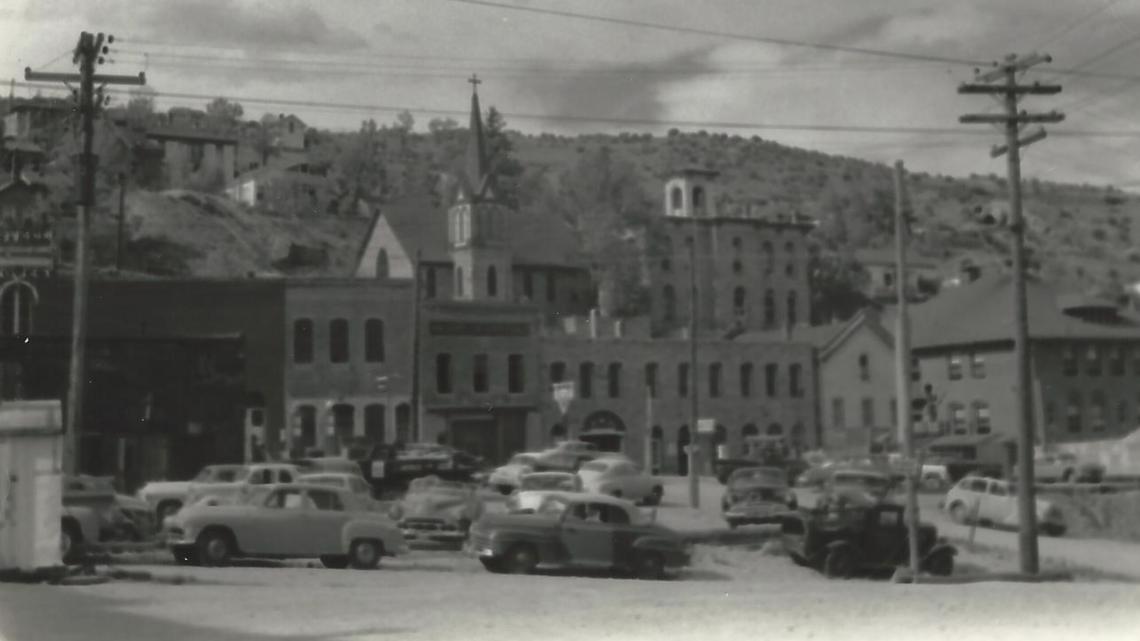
point(622, 479)
point(575, 530)
point(253, 475)
point(294, 521)
point(506, 478)
point(1065, 467)
point(841, 541)
point(319, 464)
point(874, 482)
point(388, 467)
point(756, 495)
point(935, 476)
point(988, 501)
point(535, 487)
point(438, 510)
point(253, 495)
point(165, 497)
point(578, 447)
point(351, 481)
point(122, 517)
point(79, 527)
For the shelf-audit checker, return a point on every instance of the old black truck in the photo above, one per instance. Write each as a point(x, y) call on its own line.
point(390, 467)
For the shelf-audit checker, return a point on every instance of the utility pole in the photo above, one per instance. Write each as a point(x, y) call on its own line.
point(415, 388)
point(89, 51)
point(122, 220)
point(903, 412)
point(694, 407)
point(1013, 121)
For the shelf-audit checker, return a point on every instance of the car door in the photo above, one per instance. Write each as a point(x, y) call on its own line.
point(325, 523)
point(586, 536)
point(1001, 504)
point(274, 527)
point(886, 535)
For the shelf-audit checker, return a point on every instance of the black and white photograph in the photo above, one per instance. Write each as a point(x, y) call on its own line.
point(484, 320)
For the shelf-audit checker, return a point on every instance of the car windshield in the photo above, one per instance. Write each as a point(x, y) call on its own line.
point(220, 474)
point(595, 466)
point(522, 459)
point(869, 481)
point(767, 476)
point(435, 484)
point(548, 482)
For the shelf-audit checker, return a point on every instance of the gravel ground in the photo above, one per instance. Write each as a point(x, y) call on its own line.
point(730, 593)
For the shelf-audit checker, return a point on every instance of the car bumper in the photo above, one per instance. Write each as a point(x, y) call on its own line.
point(756, 515)
point(445, 536)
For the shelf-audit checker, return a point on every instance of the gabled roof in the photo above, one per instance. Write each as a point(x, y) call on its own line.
point(867, 317)
point(982, 312)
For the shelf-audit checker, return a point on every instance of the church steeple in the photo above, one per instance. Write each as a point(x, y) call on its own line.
point(479, 179)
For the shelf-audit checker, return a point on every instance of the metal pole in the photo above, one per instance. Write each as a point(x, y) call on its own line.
point(694, 407)
point(417, 404)
point(648, 456)
point(1027, 535)
point(903, 369)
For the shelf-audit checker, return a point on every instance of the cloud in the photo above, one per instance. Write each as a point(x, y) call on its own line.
point(254, 27)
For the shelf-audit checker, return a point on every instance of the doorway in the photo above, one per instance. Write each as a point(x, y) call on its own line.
point(683, 440)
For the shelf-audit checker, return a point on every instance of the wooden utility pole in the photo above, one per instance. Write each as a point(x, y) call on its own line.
point(88, 54)
point(694, 406)
point(903, 412)
point(415, 387)
point(1012, 122)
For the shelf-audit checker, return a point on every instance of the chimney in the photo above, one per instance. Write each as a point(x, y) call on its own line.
point(594, 322)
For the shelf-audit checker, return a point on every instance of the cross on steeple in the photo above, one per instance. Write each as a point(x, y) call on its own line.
point(475, 82)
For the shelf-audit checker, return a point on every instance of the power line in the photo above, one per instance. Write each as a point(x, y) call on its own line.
point(572, 118)
point(1075, 23)
point(787, 42)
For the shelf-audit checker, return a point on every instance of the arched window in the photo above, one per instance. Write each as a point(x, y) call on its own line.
point(769, 308)
point(676, 198)
point(374, 340)
point(16, 305)
point(791, 311)
point(303, 340)
point(738, 299)
point(669, 302)
point(458, 281)
point(374, 422)
point(614, 380)
point(749, 430)
point(492, 282)
point(382, 263)
point(586, 380)
point(338, 340)
point(306, 425)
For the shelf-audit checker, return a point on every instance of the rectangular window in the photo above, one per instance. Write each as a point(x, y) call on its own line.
point(795, 380)
point(586, 380)
point(443, 373)
point(868, 412)
point(338, 340)
point(303, 340)
point(613, 380)
point(714, 380)
point(954, 367)
point(1073, 411)
point(479, 374)
point(557, 372)
point(1069, 361)
point(746, 380)
point(651, 379)
point(958, 419)
point(864, 367)
point(771, 370)
point(1116, 361)
point(1092, 360)
point(837, 419)
point(374, 340)
point(515, 378)
point(1098, 411)
point(982, 417)
point(977, 366)
point(682, 379)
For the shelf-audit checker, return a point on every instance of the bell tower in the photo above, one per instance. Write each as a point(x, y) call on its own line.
point(478, 223)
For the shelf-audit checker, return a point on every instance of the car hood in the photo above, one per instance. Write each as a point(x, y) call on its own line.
point(433, 504)
point(165, 487)
point(512, 470)
point(128, 502)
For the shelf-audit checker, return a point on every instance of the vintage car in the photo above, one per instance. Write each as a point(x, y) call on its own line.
point(855, 534)
point(986, 501)
point(165, 497)
point(95, 515)
point(391, 467)
point(78, 528)
point(583, 531)
point(1064, 467)
point(438, 510)
point(351, 481)
point(623, 479)
point(293, 521)
point(254, 475)
point(254, 495)
point(537, 486)
point(506, 478)
point(756, 495)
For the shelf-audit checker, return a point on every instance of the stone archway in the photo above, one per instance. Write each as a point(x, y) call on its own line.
point(605, 429)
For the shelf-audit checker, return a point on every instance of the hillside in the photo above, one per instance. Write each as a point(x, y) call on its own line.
point(1082, 236)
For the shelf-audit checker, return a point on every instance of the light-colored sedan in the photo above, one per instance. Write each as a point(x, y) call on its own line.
point(506, 478)
point(294, 521)
point(620, 478)
point(535, 487)
point(994, 502)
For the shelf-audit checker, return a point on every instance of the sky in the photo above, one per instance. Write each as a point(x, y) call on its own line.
point(714, 67)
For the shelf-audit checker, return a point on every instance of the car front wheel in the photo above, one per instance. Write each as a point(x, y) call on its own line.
point(364, 554)
point(215, 547)
point(941, 564)
point(334, 561)
point(70, 541)
point(650, 566)
point(521, 559)
point(839, 564)
point(959, 513)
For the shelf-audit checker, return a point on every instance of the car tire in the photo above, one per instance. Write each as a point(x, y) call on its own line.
point(840, 563)
point(649, 566)
point(521, 559)
point(798, 560)
point(941, 564)
point(959, 513)
point(70, 542)
point(494, 566)
point(165, 509)
point(334, 561)
point(215, 547)
point(364, 554)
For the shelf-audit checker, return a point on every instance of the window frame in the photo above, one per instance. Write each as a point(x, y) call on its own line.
point(374, 348)
point(340, 343)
